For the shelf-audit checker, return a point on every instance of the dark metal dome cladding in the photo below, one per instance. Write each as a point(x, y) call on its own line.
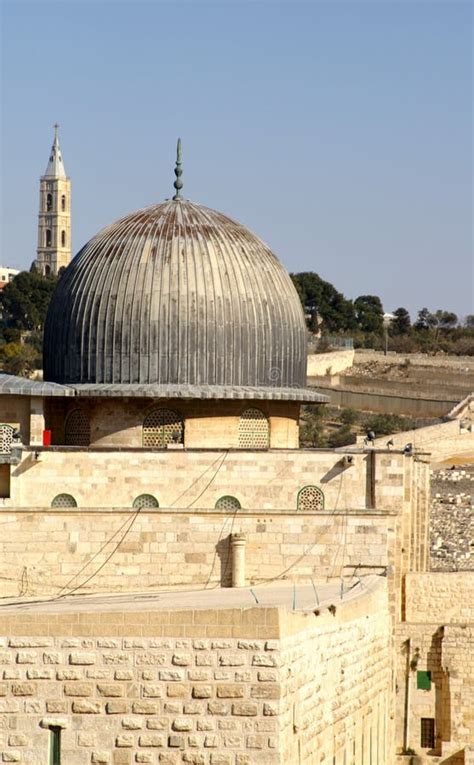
point(176, 294)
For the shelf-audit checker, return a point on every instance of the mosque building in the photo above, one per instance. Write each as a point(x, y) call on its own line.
point(180, 582)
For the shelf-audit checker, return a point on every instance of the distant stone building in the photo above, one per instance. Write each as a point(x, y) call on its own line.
point(54, 220)
point(6, 275)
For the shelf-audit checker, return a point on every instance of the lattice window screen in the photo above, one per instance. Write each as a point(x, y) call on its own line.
point(254, 432)
point(77, 429)
point(228, 503)
point(6, 438)
point(64, 500)
point(145, 500)
point(311, 498)
point(162, 427)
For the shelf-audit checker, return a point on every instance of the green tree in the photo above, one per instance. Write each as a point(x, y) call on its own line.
point(343, 436)
point(469, 321)
point(446, 320)
point(312, 432)
point(19, 359)
point(320, 297)
point(401, 324)
point(425, 320)
point(369, 313)
point(24, 301)
point(384, 424)
point(349, 416)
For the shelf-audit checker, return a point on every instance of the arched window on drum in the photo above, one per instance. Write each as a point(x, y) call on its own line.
point(254, 430)
point(228, 503)
point(145, 501)
point(162, 427)
point(310, 499)
point(77, 431)
point(64, 500)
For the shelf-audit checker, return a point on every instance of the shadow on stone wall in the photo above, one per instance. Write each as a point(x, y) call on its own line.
point(442, 693)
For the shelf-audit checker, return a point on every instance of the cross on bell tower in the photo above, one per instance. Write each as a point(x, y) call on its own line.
point(54, 220)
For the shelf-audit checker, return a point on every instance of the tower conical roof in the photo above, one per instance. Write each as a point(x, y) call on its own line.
point(55, 167)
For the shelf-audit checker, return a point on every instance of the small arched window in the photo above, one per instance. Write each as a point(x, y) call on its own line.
point(254, 430)
point(77, 431)
point(49, 202)
point(49, 237)
point(63, 238)
point(64, 500)
point(63, 203)
point(228, 503)
point(6, 438)
point(47, 270)
point(162, 427)
point(145, 501)
point(310, 499)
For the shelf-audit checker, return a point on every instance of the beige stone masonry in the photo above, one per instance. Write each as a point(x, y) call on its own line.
point(187, 686)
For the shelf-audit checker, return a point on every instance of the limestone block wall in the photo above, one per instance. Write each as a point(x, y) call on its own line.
point(336, 696)
point(215, 424)
point(369, 511)
point(198, 478)
point(440, 597)
point(120, 551)
point(447, 653)
point(15, 411)
point(447, 439)
point(387, 403)
point(331, 363)
point(220, 687)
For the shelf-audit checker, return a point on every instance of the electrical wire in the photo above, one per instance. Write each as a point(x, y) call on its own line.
point(221, 459)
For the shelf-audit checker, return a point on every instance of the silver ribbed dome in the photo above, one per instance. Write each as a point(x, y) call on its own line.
point(176, 294)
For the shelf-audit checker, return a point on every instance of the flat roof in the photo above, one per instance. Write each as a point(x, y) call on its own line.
point(287, 595)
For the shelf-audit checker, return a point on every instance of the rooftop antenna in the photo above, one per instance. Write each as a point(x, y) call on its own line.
point(178, 171)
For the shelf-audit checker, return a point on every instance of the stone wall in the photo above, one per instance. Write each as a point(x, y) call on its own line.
point(222, 687)
point(64, 548)
point(443, 441)
point(336, 696)
point(447, 653)
point(440, 597)
point(207, 424)
point(363, 355)
point(331, 363)
point(265, 480)
point(386, 403)
point(15, 411)
point(372, 506)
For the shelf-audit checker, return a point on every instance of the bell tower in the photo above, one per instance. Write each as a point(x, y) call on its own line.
point(54, 220)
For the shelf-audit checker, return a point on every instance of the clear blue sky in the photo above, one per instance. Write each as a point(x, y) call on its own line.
point(340, 132)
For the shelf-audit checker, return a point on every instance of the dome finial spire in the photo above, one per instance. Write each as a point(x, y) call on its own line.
point(178, 171)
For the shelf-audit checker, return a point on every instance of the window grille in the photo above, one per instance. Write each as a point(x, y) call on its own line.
point(228, 503)
point(310, 498)
point(254, 431)
point(64, 500)
point(427, 732)
point(162, 427)
point(77, 429)
point(6, 438)
point(145, 500)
